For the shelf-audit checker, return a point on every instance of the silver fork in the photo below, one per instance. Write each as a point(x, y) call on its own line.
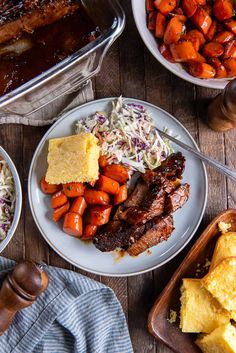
point(220, 167)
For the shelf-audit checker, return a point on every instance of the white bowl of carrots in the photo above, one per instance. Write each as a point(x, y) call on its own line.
point(194, 39)
point(84, 207)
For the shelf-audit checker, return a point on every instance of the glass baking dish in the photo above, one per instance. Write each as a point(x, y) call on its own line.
point(74, 71)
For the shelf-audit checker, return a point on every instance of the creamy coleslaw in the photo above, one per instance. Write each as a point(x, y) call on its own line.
point(7, 198)
point(127, 135)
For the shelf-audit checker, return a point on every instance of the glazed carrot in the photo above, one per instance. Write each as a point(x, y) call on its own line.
point(151, 21)
point(102, 161)
point(94, 197)
point(165, 52)
point(117, 172)
point(122, 195)
point(189, 7)
point(178, 11)
point(89, 232)
point(58, 199)
point(201, 2)
point(231, 25)
point(223, 37)
point(195, 37)
point(59, 212)
point(99, 215)
point(223, 9)
point(230, 65)
point(165, 6)
point(211, 32)
point(48, 188)
point(108, 185)
point(73, 224)
point(78, 206)
point(160, 25)
point(73, 189)
point(173, 31)
point(202, 20)
point(213, 49)
point(149, 5)
point(199, 59)
point(219, 67)
point(183, 51)
point(230, 50)
point(201, 70)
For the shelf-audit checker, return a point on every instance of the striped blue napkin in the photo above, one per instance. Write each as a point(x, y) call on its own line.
point(74, 315)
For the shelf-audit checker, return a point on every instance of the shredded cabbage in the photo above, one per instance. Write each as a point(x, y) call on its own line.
point(127, 135)
point(7, 198)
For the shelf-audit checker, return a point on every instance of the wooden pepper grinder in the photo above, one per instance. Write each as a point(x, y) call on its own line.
point(222, 110)
point(19, 290)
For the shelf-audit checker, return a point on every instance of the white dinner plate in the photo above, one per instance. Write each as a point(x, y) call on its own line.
point(139, 11)
point(86, 256)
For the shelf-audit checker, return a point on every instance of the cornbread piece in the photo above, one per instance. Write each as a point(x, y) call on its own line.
point(200, 312)
point(225, 247)
point(221, 340)
point(73, 159)
point(221, 283)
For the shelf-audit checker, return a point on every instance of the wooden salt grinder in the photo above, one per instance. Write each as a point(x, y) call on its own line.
point(222, 110)
point(19, 290)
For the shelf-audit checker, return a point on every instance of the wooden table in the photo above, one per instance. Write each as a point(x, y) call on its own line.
point(129, 69)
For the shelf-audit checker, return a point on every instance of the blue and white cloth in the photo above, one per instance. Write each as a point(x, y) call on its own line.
point(74, 315)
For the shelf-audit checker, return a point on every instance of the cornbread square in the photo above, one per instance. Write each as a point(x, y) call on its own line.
point(200, 312)
point(73, 159)
point(225, 247)
point(221, 283)
point(221, 340)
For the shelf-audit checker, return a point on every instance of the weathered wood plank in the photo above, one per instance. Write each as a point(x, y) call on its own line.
point(11, 138)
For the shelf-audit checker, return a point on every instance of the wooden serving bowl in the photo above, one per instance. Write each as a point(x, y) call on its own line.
point(193, 266)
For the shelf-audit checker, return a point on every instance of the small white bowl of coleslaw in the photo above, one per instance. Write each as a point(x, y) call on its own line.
point(10, 199)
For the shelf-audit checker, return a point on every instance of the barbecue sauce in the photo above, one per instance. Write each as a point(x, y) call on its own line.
point(50, 44)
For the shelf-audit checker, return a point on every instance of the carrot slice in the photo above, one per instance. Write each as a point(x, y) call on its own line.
point(79, 205)
point(213, 49)
point(223, 37)
point(94, 197)
point(230, 65)
point(202, 20)
point(59, 212)
point(99, 215)
point(195, 37)
point(231, 25)
point(189, 7)
point(102, 161)
point(48, 188)
point(73, 224)
point(199, 59)
point(165, 52)
point(58, 199)
point(173, 31)
point(92, 183)
point(201, 2)
point(117, 172)
point(183, 51)
point(149, 5)
point(219, 67)
point(160, 25)
point(151, 20)
point(208, 9)
point(108, 185)
point(223, 9)
point(122, 195)
point(230, 50)
point(89, 231)
point(201, 70)
point(73, 189)
point(212, 30)
point(165, 6)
